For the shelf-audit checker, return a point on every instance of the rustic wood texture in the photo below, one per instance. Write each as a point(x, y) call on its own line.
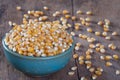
point(102, 9)
point(8, 12)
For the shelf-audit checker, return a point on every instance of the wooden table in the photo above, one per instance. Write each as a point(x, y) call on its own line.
point(102, 9)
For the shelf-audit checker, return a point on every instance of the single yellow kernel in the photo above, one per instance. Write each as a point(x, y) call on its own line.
point(67, 16)
point(116, 57)
point(79, 12)
point(73, 18)
point(81, 58)
point(104, 34)
point(100, 23)
point(77, 27)
point(87, 19)
point(88, 57)
point(75, 56)
point(18, 8)
point(89, 13)
point(108, 64)
point(30, 49)
point(89, 30)
point(45, 8)
point(108, 57)
point(97, 33)
point(114, 33)
point(99, 73)
point(81, 62)
point(65, 12)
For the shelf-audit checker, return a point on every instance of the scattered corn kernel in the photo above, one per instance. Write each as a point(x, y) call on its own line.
point(117, 72)
point(89, 30)
point(97, 33)
point(71, 73)
point(89, 13)
point(65, 12)
point(18, 8)
point(116, 57)
point(108, 64)
point(100, 23)
point(102, 50)
point(45, 8)
point(114, 33)
point(73, 68)
point(75, 56)
point(79, 12)
point(73, 18)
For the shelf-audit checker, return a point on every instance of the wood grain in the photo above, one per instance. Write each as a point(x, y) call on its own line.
point(102, 9)
point(8, 12)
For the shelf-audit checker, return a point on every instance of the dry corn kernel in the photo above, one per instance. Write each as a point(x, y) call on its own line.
point(10, 23)
point(91, 46)
point(74, 68)
point(77, 47)
point(98, 73)
point(67, 16)
point(81, 58)
point(106, 29)
point(100, 69)
point(73, 18)
point(100, 23)
point(75, 56)
point(79, 12)
point(65, 12)
point(94, 76)
point(102, 50)
point(107, 37)
point(89, 30)
point(114, 33)
point(97, 49)
point(108, 64)
point(117, 72)
point(107, 22)
point(88, 57)
point(71, 73)
point(88, 66)
point(102, 57)
point(45, 8)
point(89, 13)
point(97, 33)
point(92, 70)
point(18, 8)
point(84, 36)
point(72, 33)
point(87, 19)
point(112, 46)
point(116, 57)
point(78, 44)
point(77, 27)
point(104, 34)
point(87, 24)
point(108, 57)
point(81, 62)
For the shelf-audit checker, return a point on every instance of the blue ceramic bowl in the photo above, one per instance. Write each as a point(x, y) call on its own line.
point(37, 66)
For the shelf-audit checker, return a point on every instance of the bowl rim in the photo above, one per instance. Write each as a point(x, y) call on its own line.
point(36, 58)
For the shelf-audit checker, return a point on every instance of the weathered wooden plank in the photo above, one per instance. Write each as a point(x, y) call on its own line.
point(103, 9)
point(8, 12)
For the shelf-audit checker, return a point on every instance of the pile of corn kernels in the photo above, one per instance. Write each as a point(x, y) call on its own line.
point(41, 19)
point(38, 37)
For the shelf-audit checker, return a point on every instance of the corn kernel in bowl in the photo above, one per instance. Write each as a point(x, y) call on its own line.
point(39, 38)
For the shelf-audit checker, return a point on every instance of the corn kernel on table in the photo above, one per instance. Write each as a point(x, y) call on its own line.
point(102, 9)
